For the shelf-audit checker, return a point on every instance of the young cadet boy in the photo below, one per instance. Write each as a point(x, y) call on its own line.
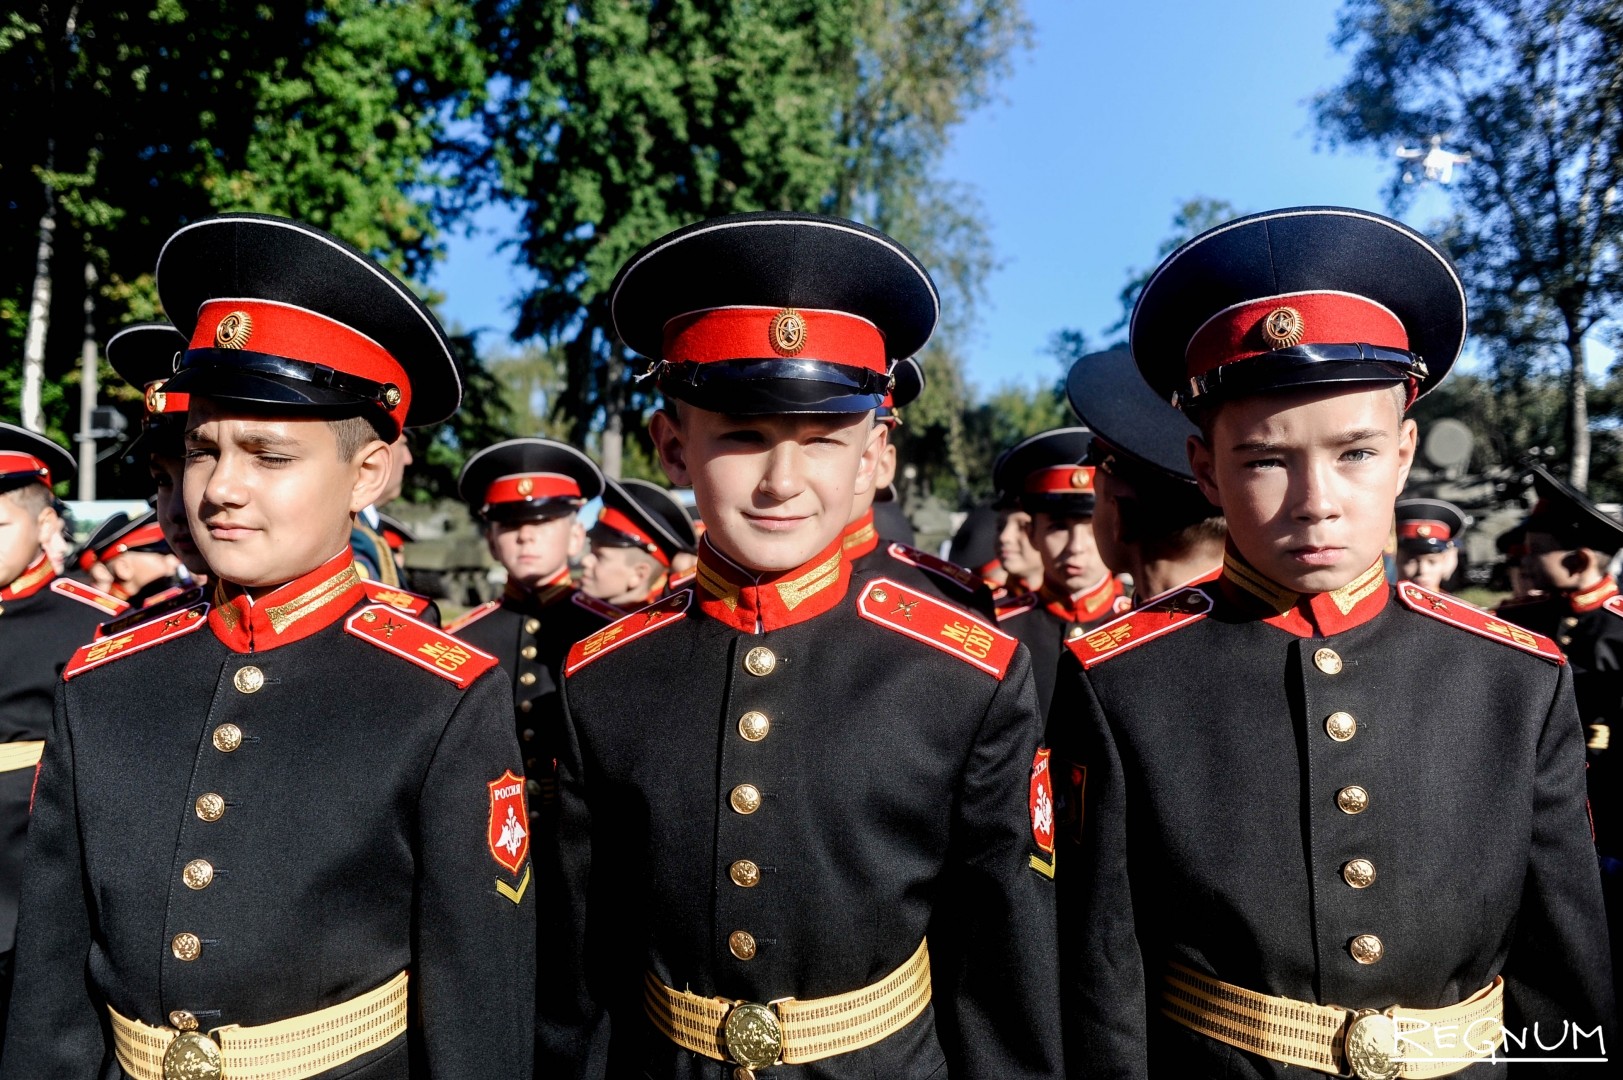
point(1429, 531)
point(1044, 476)
point(1150, 520)
point(640, 529)
point(816, 857)
point(282, 835)
point(1310, 824)
point(43, 619)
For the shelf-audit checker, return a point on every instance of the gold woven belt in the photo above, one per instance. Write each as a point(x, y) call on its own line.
point(20, 755)
point(789, 1031)
point(292, 1049)
point(1367, 1043)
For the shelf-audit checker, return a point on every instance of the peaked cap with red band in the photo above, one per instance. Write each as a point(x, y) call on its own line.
point(1429, 525)
point(775, 313)
point(644, 516)
point(137, 534)
point(86, 556)
point(906, 384)
point(1307, 296)
point(29, 458)
point(528, 479)
point(1046, 473)
point(283, 317)
point(145, 355)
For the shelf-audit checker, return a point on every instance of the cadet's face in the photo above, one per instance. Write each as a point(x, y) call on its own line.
point(1014, 548)
point(22, 535)
point(1428, 569)
point(532, 551)
point(773, 490)
point(616, 574)
point(1554, 566)
point(135, 570)
point(167, 474)
point(269, 500)
point(1070, 556)
point(884, 473)
point(1307, 481)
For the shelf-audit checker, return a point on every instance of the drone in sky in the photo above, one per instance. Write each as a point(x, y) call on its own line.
point(1435, 163)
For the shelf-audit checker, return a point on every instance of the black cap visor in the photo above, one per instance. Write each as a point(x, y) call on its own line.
point(506, 513)
point(769, 386)
point(1057, 504)
point(275, 382)
point(1300, 368)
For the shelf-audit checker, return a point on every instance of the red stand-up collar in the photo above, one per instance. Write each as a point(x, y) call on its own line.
point(543, 594)
point(1085, 605)
point(1590, 599)
point(288, 613)
point(30, 581)
point(1304, 614)
point(764, 602)
point(861, 538)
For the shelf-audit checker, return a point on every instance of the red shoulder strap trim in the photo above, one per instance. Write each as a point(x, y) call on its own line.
point(936, 565)
point(409, 602)
point(940, 625)
point(429, 647)
point(87, 595)
point(471, 617)
point(106, 650)
point(1161, 616)
point(598, 607)
point(1456, 612)
point(627, 630)
point(1010, 606)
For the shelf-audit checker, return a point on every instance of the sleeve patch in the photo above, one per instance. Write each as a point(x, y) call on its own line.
point(508, 835)
point(938, 624)
point(429, 647)
point(626, 630)
point(471, 617)
point(86, 595)
point(1172, 611)
point(1042, 813)
point(1456, 612)
point(958, 575)
point(104, 650)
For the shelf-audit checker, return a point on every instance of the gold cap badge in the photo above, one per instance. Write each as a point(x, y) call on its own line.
point(1283, 328)
point(156, 399)
point(233, 331)
point(787, 333)
point(525, 486)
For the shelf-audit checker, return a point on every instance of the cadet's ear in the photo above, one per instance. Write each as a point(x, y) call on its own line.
point(1204, 466)
point(577, 538)
point(878, 437)
point(374, 464)
point(669, 445)
point(1408, 438)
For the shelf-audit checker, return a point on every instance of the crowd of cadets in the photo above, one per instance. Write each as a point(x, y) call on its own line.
point(1173, 782)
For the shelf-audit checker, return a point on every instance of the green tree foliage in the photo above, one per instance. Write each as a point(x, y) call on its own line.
point(1533, 89)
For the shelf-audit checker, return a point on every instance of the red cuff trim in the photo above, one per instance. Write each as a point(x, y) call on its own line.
point(531, 487)
point(1060, 479)
point(1281, 322)
point(295, 333)
point(620, 523)
point(760, 333)
point(16, 463)
point(1424, 530)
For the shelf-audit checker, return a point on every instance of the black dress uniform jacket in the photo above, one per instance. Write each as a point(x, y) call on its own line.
point(870, 553)
point(893, 771)
point(1045, 621)
point(1224, 767)
point(352, 750)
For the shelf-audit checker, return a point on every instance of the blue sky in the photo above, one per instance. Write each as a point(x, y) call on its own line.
point(1118, 114)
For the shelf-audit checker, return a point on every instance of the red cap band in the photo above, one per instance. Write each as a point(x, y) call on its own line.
point(1282, 322)
point(620, 523)
point(1424, 530)
point(531, 487)
point(759, 333)
point(1061, 480)
point(297, 334)
point(161, 403)
point(15, 463)
point(145, 536)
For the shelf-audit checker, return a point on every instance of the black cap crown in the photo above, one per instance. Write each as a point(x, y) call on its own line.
point(1429, 525)
point(30, 458)
point(644, 516)
point(528, 479)
point(1046, 473)
point(1564, 512)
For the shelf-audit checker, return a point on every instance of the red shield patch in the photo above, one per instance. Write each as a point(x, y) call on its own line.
point(509, 833)
point(1042, 803)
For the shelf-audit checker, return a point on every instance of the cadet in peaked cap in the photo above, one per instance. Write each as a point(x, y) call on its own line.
point(1283, 936)
point(292, 779)
point(138, 556)
point(873, 549)
point(1150, 519)
point(770, 916)
point(525, 493)
point(630, 546)
point(1045, 477)
point(1428, 533)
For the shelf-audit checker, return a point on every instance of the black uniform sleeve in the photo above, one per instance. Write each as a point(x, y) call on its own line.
point(1559, 968)
point(474, 981)
point(994, 970)
point(56, 1026)
point(572, 1017)
point(1103, 994)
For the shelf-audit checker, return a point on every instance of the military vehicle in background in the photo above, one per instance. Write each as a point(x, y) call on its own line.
point(447, 559)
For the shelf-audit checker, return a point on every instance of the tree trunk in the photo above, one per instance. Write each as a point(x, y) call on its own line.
point(88, 389)
point(39, 309)
point(614, 408)
point(1578, 415)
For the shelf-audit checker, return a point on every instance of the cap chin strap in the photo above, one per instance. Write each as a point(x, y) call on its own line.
point(1304, 365)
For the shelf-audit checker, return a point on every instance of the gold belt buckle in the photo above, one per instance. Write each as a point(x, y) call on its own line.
point(1371, 1044)
point(753, 1038)
point(193, 1056)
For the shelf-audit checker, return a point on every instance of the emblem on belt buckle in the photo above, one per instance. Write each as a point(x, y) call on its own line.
point(754, 1036)
point(1372, 1046)
point(192, 1056)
